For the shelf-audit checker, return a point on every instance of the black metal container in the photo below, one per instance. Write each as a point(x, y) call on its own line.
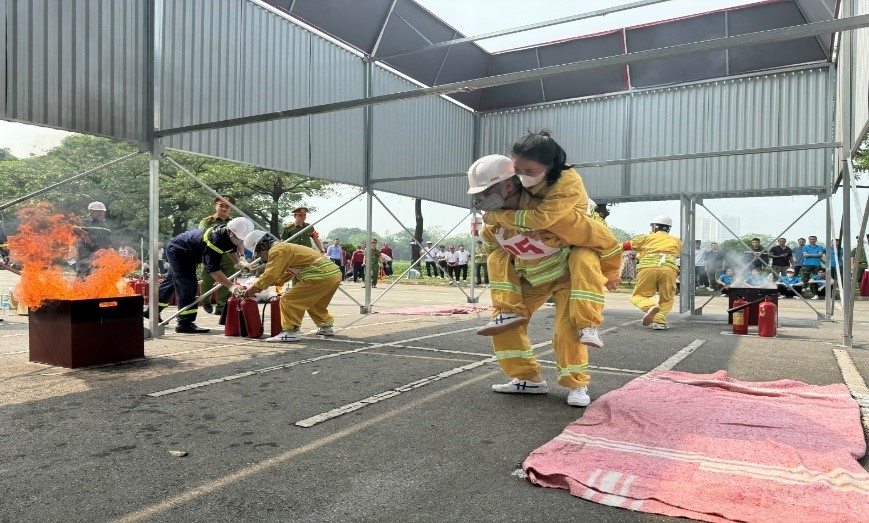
point(751, 294)
point(80, 333)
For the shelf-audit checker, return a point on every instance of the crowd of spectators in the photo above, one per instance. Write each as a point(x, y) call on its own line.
point(793, 269)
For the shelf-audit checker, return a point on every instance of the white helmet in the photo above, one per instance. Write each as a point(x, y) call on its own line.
point(662, 220)
point(241, 227)
point(487, 171)
point(96, 206)
point(255, 238)
point(252, 239)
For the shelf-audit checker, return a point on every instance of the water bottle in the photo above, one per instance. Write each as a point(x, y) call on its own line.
point(4, 302)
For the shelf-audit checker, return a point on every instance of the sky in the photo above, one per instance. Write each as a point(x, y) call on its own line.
point(770, 216)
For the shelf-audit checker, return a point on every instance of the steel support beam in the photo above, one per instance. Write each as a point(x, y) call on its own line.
point(776, 35)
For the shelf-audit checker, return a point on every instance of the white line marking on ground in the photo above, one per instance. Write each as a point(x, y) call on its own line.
point(855, 383)
point(294, 364)
point(674, 360)
point(391, 393)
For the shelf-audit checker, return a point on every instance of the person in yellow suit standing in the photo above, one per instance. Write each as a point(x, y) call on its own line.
point(657, 270)
point(315, 280)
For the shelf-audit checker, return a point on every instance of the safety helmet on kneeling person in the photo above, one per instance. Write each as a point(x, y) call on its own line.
point(259, 242)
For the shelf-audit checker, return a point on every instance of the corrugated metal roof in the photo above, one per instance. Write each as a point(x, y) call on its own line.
point(406, 26)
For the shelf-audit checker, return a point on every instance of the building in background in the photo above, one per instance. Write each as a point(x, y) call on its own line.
point(711, 230)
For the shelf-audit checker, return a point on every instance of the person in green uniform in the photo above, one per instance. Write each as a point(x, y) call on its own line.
point(480, 260)
point(220, 217)
point(374, 252)
point(305, 238)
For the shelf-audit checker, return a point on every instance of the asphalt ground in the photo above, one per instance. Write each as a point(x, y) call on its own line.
point(392, 419)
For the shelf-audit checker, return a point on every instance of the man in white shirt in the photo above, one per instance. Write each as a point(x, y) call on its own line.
point(464, 258)
point(441, 259)
point(700, 278)
point(452, 259)
point(431, 265)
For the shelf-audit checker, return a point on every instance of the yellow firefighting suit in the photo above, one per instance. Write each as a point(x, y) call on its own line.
point(656, 271)
point(558, 216)
point(315, 280)
point(513, 348)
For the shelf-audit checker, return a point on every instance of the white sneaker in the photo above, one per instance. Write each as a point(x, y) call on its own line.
point(815, 297)
point(660, 326)
point(650, 314)
point(591, 337)
point(325, 331)
point(578, 397)
point(517, 386)
point(285, 336)
point(501, 323)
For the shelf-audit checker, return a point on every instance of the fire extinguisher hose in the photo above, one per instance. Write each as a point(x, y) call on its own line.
point(744, 306)
point(273, 298)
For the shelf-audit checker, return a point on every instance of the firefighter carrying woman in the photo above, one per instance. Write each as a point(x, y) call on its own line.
point(543, 242)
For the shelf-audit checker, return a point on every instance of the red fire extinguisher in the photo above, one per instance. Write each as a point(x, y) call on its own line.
point(275, 312)
point(232, 327)
point(249, 313)
point(767, 319)
point(740, 322)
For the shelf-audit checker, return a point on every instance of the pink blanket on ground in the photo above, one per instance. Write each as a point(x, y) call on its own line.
point(716, 449)
point(438, 310)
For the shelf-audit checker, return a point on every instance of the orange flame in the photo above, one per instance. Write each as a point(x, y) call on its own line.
point(43, 243)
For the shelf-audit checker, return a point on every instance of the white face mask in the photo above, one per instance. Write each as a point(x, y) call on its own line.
point(235, 239)
point(531, 181)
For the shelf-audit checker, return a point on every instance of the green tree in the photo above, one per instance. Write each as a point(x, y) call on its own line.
point(621, 235)
point(861, 159)
point(264, 194)
point(735, 245)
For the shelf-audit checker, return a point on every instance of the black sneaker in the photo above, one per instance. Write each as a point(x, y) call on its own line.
point(147, 313)
point(206, 305)
point(190, 328)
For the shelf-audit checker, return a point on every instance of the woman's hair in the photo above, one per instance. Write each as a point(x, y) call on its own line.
point(542, 148)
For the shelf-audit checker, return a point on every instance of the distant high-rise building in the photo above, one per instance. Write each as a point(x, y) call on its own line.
point(711, 230)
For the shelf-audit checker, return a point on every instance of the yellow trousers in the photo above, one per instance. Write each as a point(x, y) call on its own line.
point(513, 348)
point(586, 287)
point(651, 280)
point(311, 296)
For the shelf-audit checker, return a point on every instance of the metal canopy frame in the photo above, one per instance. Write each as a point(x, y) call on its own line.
point(155, 133)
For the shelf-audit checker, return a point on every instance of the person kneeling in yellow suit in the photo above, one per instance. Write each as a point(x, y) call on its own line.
point(315, 280)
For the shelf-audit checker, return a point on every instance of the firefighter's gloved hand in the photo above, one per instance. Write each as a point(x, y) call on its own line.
point(242, 265)
point(238, 291)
